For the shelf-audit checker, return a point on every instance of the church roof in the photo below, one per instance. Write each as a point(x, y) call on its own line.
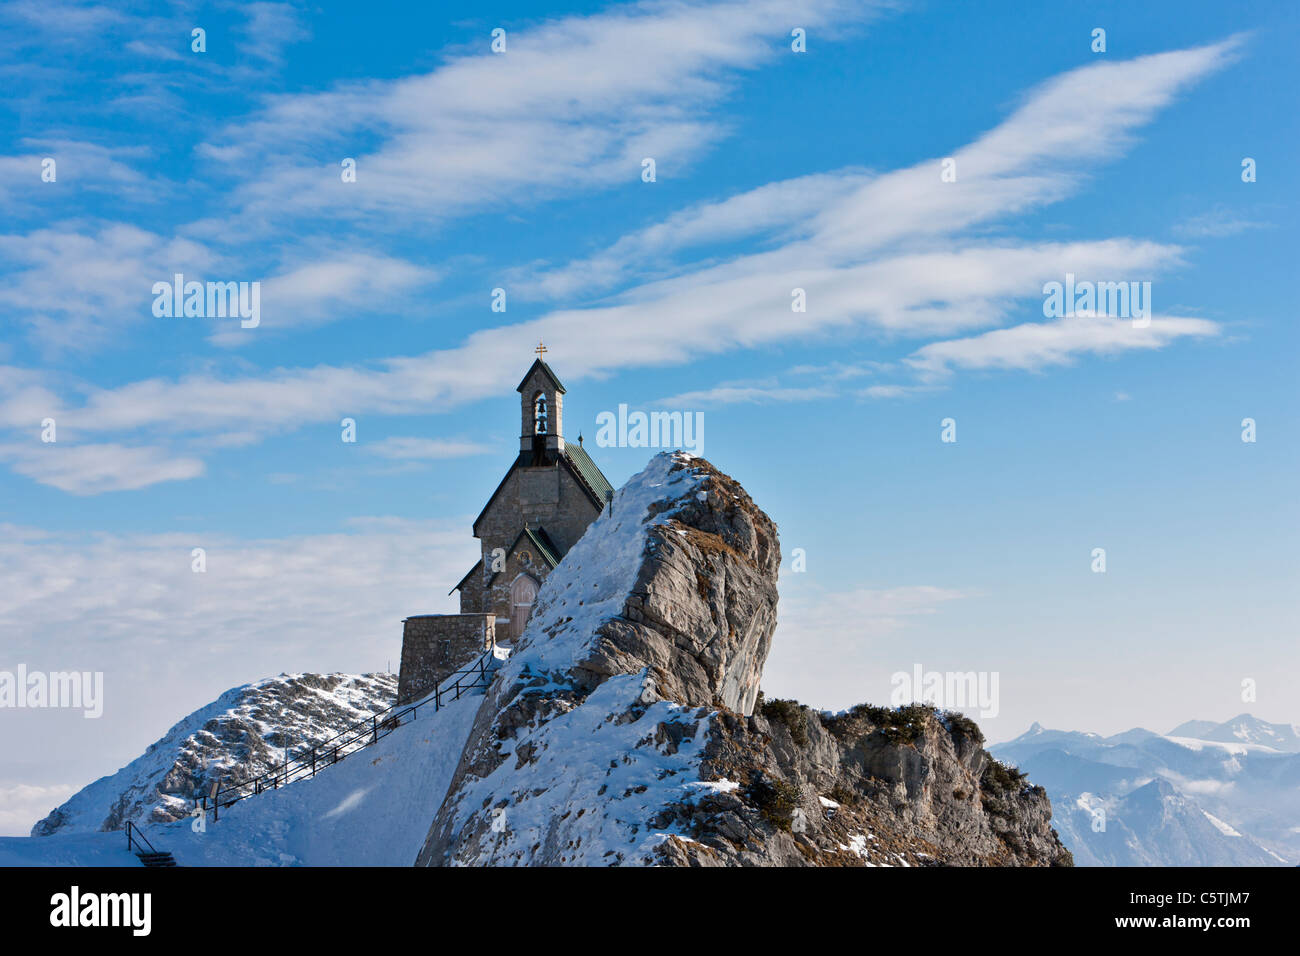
point(587, 470)
point(579, 464)
point(555, 379)
point(542, 541)
point(549, 551)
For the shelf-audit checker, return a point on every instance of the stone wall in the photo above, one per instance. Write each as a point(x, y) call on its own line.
point(434, 646)
point(547, 496)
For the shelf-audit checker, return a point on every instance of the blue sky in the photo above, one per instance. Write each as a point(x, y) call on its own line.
point(774, 170)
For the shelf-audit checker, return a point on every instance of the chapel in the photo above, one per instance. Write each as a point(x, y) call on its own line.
point(549, 495)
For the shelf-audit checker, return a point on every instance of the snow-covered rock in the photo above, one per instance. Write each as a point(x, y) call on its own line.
point(240, 735)
point(660, 614)
point(621, 730)
point(371, 809)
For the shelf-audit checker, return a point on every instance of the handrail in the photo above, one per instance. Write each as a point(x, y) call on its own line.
point(139, 838)
point(353, 738)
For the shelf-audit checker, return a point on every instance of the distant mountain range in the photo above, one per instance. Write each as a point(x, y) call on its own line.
point(1204, 794)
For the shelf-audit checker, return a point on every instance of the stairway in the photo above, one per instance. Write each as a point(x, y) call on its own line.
point(156, 859)
point(146, 852)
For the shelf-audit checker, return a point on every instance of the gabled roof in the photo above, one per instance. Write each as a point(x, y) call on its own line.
point(539, 539)
point(587, 470)
point(555, 379)
point(575, 460)
point(543, 543)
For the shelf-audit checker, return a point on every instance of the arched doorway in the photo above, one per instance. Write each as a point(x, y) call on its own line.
point(522, 595)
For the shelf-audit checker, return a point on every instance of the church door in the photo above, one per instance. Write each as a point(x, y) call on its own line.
point(522, 594)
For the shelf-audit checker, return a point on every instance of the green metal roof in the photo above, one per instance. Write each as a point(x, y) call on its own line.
point(545, 546)
point(587, 470)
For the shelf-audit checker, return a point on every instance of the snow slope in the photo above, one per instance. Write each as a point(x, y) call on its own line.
point(371, 809)
point(238, 736)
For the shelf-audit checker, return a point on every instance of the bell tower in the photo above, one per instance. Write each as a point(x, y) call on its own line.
point(541, 405)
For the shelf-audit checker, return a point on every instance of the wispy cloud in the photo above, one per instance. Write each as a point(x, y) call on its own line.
point(97, 468)
point(425, 449)
point(572, 104)
point(773, 207)
point(1033, 346)
point(884, 255)
point(77, 166)
point(70, 283)
point(1217, 223)
point(753, 393)
point(270, 28)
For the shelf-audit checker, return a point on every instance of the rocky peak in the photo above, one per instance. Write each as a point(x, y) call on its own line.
point(627, 726)
point(239, 736)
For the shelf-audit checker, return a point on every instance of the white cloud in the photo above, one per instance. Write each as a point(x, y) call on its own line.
point(573, 103)
point(94, 469)
point(425, 449)
point(916, 289)
point(893, 391)
point(1217, 223)
point(269, 29)
point(21, 805)
point(75, 283)
point(1033, 346)
point(78, 284)
point(741, 393)
point(779, 205)
point(329, 287)
point(77, 166)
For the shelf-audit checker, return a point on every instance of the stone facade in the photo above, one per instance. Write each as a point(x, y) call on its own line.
point(547, 499)
point(435, 646)
point(550, 494)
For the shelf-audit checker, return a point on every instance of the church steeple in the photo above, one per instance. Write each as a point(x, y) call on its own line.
point(541, 405)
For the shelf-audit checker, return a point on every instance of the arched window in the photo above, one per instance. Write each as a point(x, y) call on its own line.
point(540, 421)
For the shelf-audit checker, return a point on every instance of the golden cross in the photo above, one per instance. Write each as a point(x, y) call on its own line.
point(541, 348)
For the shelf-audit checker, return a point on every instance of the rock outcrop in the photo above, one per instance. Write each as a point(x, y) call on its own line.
point(627, 728)
point(873, 786)
point(239, 736)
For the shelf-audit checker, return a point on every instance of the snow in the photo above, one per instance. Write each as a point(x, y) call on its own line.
point(593, 773)
point(714, 786)
point(67, 849)
point(372, 809)
point(594, 780)
point(592, 581)
point(352, 699)
point(1221, 826)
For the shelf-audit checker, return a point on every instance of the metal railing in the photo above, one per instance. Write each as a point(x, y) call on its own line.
point(136, 841)
point(351, 739)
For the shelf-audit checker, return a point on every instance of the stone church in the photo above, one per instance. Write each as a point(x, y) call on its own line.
point(551, 492)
